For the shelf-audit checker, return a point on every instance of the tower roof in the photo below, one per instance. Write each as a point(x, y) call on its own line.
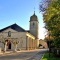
point(34, 17)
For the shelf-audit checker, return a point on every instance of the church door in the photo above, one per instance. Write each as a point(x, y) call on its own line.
point(9, 45)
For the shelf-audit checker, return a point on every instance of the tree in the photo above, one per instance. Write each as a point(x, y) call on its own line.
point(15, 44)
point(3, 42)
point(52, 20)
point(44, 5)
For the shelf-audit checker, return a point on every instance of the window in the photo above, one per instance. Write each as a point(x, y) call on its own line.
point(33, 24)
point(9, 34)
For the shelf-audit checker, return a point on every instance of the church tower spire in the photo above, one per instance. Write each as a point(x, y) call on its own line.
point(34, 10)
point(34, 25)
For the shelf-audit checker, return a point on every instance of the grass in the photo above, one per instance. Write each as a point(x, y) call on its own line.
point(52, 57)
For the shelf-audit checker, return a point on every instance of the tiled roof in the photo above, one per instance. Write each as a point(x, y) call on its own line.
point(14, 27)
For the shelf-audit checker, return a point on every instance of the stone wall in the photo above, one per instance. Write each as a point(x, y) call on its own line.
point(43, 43)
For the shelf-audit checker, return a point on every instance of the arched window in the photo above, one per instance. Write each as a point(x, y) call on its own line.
point(9, 34)
point(33, 24)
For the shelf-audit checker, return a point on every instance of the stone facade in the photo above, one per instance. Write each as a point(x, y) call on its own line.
point(25, 39)
point(43, 43)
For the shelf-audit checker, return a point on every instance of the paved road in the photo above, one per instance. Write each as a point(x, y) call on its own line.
point(28, 55)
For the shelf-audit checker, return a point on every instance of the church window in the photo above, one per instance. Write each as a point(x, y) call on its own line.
point(9, 34)
point(33, 24)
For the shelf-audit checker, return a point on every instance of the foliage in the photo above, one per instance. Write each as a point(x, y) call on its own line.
point(44, 5)
point(15, 42)
point(52, 21)
point(46, 57)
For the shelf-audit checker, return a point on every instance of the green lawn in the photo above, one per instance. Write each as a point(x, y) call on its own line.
point(46, 57)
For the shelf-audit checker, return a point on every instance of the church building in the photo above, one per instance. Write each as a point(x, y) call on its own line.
point(15, 38)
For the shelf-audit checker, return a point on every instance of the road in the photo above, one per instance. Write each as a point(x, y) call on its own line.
point(28, 55)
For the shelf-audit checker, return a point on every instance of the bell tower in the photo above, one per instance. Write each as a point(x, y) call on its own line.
point(34, 25)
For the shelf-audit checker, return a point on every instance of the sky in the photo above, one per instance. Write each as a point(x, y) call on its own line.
point(19, 12)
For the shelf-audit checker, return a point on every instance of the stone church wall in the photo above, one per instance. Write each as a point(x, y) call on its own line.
point(19, 36)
